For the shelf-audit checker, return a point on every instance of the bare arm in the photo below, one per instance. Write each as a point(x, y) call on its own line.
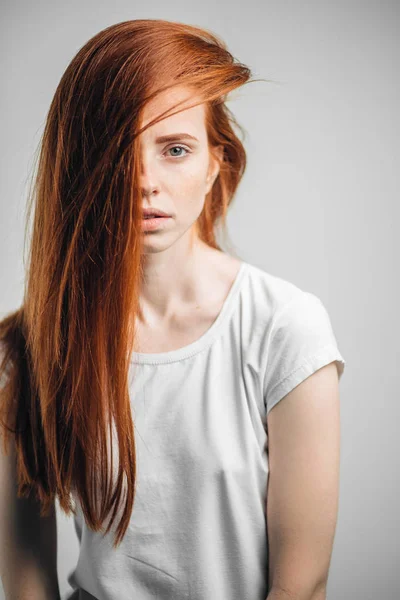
point(302, 496)
point(28, 542)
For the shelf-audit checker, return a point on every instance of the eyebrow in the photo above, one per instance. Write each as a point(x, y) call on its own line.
point(175, 136)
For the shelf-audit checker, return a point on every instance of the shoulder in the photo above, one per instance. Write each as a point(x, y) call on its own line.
point(281, 302)
point(291, 331)
point(269, 294)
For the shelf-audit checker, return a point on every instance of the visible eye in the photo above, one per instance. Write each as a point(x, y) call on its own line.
point(179, 148)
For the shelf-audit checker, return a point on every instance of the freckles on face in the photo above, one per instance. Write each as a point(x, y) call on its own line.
point(187, 184)
point(178, 168)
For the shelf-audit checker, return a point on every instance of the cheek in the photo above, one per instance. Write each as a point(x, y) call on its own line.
point(189, 186)
point(195, 185)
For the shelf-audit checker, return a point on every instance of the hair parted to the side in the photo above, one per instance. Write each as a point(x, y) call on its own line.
point(66, 351)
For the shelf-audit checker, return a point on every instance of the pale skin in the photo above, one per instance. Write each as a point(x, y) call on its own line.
point(185, 285)
point(185, 280)
point(303, 488)
point(303, 430)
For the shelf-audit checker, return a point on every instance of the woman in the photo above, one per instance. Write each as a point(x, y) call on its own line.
point(144, 373)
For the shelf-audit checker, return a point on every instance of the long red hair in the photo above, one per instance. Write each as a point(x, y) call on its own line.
point(66, 351)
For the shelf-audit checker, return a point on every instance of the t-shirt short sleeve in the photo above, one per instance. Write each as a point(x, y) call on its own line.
point(301, 341)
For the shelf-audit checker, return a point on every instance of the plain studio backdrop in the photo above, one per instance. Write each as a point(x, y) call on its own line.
point(318, 205)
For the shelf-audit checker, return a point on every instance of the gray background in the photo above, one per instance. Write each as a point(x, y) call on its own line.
point(318, 206)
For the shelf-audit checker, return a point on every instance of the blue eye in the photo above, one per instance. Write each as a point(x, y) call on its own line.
point(181, 148)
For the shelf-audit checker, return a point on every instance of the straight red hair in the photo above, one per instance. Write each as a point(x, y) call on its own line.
point(66, 350)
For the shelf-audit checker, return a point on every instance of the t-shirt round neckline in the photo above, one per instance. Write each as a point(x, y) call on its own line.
point(204, 340)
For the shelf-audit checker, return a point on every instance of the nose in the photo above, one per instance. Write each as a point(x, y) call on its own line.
point(148, 181)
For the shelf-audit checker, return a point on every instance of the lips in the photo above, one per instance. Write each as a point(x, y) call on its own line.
point(153, 213)
point(155, 224)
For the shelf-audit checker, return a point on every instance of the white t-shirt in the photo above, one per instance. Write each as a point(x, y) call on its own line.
point(198, 529)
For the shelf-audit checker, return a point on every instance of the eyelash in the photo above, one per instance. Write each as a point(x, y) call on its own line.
point(183, 148)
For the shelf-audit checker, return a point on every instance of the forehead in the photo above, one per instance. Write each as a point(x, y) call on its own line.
point(189, 120)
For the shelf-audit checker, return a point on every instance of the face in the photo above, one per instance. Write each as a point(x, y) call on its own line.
point(176, 174)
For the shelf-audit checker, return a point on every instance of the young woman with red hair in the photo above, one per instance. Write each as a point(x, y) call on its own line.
point(143, 374)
